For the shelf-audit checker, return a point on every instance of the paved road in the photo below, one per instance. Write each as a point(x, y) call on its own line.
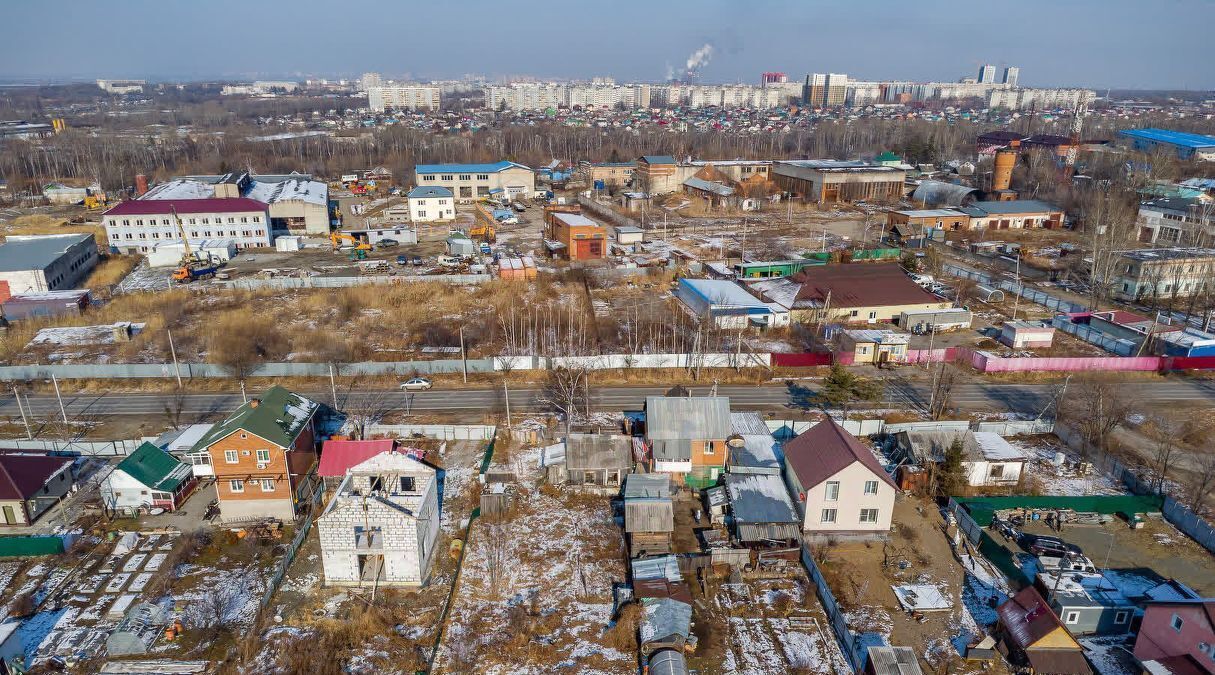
point(774, 397)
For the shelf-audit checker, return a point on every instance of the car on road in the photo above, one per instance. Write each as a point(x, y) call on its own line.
point(1049, 546)
point(417, 384)
point(402, 260)
point(519, 207)
point(387, 242)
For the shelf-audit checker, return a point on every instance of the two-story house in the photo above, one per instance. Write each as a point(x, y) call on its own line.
point(687, 436)
point(263, 456)
point(382, 525)
point(1178, 632)
point(837, 483)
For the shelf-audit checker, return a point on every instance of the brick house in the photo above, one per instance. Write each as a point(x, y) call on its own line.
point(687, 436)
point(382, 525)
point(1178, 631)
point(263, 455)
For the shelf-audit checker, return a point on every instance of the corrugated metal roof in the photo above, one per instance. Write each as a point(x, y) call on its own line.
point(759, 499)
point(36, 253)
point(467, 168)
point(893, 661)
point(660, 567)
point(1171, 137)
point(687, 418)
point(424, 191)
point(599, 451)
point(938, 193)
point(1016, 206)
point(647, 486)
point(665, 618)
point(749, 533)
point(668, 662)
point(720, 189)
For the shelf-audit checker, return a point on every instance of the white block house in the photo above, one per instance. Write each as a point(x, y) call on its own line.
point(431, 203)
point(382, 525)
point(838, 484)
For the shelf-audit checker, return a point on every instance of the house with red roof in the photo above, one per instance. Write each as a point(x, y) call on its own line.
point(138, 225)
point(1032, 638)
point(849, 293)
point(32, 484)
point(1177, 636)
point(838, 484)
point(339, 456)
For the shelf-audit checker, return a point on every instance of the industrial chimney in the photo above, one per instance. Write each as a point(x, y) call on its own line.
point(141, 185)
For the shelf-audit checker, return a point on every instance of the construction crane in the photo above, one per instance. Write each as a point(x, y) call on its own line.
point(1073, 148)
point(190, 268)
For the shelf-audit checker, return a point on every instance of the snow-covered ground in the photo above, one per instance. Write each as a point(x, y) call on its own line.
point(1110, 655)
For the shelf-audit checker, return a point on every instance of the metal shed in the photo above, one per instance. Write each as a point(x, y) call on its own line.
point(668, 662)
point(989, 294)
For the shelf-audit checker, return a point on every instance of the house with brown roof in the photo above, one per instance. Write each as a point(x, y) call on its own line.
point(32, 484)
point(850, 293)
point(1033, 638)
point(838, 484)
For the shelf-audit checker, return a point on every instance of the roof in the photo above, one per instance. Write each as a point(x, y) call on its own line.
point(290, 190)
point(758, 452)
point(860, 285)
point(878, 336)
point(279, 416)
point(661, 567)
point(1178, 253)
point(36, 252)
point(424, 191)
point(826, 449)
point(1027, 618)
point(687, 418)
point(338, 457)
point(1016, 206)
point(647, 486)
point(1183, 664)
point(1059, 661)
point(759, 499)
point(575, 220)
point(931, 213)
point(1180, 138)
point(658, 159)
point(936, 192)
point(722, 293)
point(1172, 590)
point(893, 661)
point(155, 468)
point(665, 618)
point(930, 446)
point(838, 165)
point(22, 476)
point(720, 189)
point(598, 451)
point(157, 207)
point(467, 168)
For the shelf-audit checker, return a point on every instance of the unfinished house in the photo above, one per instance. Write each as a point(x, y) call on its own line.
point(987, 459)
point(649, 515)
point(687, 436)
point(598, 460)
point(381, 526)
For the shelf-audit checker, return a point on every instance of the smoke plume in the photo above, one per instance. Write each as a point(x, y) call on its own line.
point(700, 58)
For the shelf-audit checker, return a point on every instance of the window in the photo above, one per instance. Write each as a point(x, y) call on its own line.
point(421, 202)
point(482, 176)
point(997, 470)
point(832, 492)
point(236, 485)
point(465, 176)
point(1121, 616)
point(442, 202)
point(856, 313)
point(447, 176)
point(430, 177)
point(869, 515)
point(263, 456)
point(267, 484)
point(407, 483)
point(231, 457)
point(1176, 623)
point(377, 483)
point(244, 219)
point(231, 219)
point(421, 214)
point(871, 487)
point(708, 447)
point(257, 219)
point(1073, 617)
point(828, 516)
point(872, 315)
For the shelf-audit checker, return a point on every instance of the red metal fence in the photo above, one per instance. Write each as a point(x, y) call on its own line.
point(806, 360)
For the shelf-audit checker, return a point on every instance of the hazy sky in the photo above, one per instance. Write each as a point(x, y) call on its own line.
point(1095, 43)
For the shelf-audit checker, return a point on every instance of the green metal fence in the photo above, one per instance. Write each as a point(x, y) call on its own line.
point(24, 547)
point(982, 509)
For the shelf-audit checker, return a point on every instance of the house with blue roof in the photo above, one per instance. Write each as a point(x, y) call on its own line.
point(470, 182)
point(431, 203)
point(1186, 145)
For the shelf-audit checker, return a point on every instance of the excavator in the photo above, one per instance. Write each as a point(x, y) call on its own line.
point(483, 226)
point(336, 238)
point(191, 268)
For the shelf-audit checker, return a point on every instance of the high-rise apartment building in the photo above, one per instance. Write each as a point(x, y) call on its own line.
point(404, 97)
point(369, 80)
point(987, 73)
point(1011, 73)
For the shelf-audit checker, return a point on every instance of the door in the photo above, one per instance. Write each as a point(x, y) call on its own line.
point(10, 516)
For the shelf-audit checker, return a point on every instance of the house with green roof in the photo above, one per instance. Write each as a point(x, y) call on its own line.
point(148, 478)
point(263, 456)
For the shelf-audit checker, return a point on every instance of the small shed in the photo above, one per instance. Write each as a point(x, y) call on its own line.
point(988, 294)
point(1026, 335)
point(598, 459)
point(628, 235)
point(649, 515)
point(887, 660)
point(764, 516)
point(759, 450)
point(874, 345)
point(48, 304)
point(137, 631)
point(459, 244)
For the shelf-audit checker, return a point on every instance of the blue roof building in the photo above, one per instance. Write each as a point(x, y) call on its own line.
point(427, 191)
point(468, 182)
point(495, 167)
point(1187, 145)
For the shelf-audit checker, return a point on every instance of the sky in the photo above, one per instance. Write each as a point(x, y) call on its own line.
point(1138, 44)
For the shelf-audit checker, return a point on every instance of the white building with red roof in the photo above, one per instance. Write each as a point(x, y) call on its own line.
point(138, 225)
point(838, 484)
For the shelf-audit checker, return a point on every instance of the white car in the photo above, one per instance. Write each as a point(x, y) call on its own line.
point(417, 384)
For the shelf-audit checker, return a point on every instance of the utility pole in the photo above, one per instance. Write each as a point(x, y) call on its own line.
point(506, 391)
point(1017, 302)
point(244, 397)
point(25, 420)
point(173, 351)
point(333, 387)
point(62, 410)
point(463, 356)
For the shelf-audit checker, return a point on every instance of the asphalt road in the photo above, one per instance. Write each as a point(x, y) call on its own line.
point(774, 397)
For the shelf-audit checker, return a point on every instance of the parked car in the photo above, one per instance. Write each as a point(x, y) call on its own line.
point(519, 207)
point(417, 384)
point(387, 242)
point(402, 260)
point(1049, 546)
point(417, 260)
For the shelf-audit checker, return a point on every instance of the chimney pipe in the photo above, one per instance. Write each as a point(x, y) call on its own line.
point(141, 185)
point(253, 403)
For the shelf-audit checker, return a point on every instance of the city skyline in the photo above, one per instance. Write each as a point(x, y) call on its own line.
point(939, 40)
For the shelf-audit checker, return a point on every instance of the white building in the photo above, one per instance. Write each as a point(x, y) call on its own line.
point(381, 526)
point(369, 80)
point(148, 478)
point(122, 86)
point(987, 73)
point(170, 253)
point(1042, 99)
point(297, 203)
point(138, 225)
point(475, 181)
point(988, 460)
point(430, 203)
point(837, 483)
point(404, 97)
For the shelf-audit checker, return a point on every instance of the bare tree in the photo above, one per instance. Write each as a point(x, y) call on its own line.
point(942, 391)
point(1167, 432)
point(241, 343)
point(365, 406)
point(1096, 408)
point(564, 391)
point(497, 549)
point(1202, 483)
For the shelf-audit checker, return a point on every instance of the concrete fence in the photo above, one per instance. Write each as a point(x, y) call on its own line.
point(1011, 286)
point(1187, 521)
point(86, 448)
point(875, 427)
point(605, 212)
point(282, 283)
point(1111, 344)
point(443, 432)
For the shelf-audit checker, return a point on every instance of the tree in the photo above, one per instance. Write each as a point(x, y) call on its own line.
point(240, 343)
point(365, 406)
point(564, 391)
point(841, 388)
point(1095, 409)
point(952, 473)
point(1167, 431)
point(1202, 483)
point(942, 391)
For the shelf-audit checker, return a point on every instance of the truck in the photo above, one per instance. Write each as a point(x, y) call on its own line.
point(194, 272)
